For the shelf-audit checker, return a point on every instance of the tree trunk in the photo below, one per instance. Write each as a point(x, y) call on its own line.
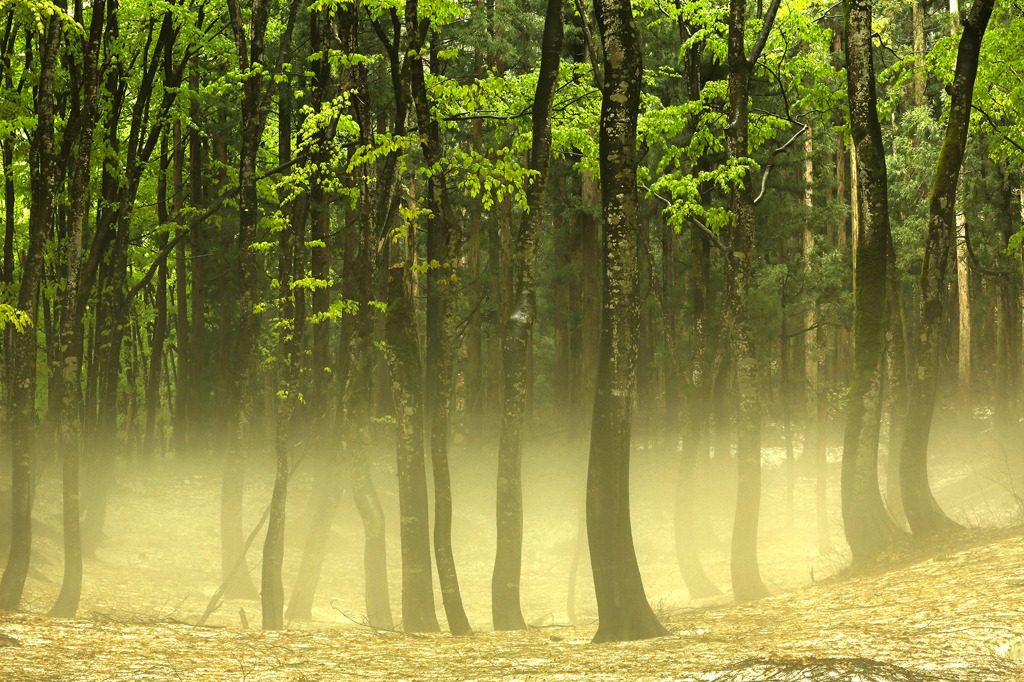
point(963, 279)
point(923, 512)
point(197, 408)
point(160, 319)
point(404, 364)
point(505, 602)
point(896, 362)
point(181, 326)
point(920, 74)
point(70, 436)
point(44, 179)
point(444, 240)
point(694, 449)
point(474, 332)
point(868, 527)
point(250, 56)
point(622, 607)
point(746, 577)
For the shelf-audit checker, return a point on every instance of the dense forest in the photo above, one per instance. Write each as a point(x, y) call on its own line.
point(331, 252)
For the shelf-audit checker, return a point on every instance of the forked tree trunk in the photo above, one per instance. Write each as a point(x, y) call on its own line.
point(623, 610)
point(444, 241)
point(923, 512)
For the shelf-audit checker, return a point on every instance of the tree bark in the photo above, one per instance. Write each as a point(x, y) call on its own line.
point(444, 240)
point(923, 512)
point(404, 364)
point(868, 527)
point(505, 601)
point(623, 610)
point(746, 577)
point(42, 167)
point(70, 435)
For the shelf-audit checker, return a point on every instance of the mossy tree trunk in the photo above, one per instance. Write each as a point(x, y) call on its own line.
point(923, 512)
point(622, 607)
point(868, 527)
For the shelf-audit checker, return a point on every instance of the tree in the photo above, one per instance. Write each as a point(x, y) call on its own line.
point(44, 184)
point(519, 337)
point(70, 438)
point(746, 577)
point(866, 522)
point(444, 241)
point(250, 52)
point(623, 610)
point(923, 512)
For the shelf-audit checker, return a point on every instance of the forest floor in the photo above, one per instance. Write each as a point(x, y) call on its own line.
point(958, 615)
point(951, 612)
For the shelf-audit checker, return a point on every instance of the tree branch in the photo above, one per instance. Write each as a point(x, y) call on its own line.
point(771, 160)
point(184, 232)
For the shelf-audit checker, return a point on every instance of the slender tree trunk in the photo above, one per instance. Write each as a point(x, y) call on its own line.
point(474, 332)
point(291, 268)
point(695, 442)
point(920, 74)
point(923, 512)
point(181, 326)
point(746, 577)
point(160, 319)
point(197, 407)
point(292, 314)
point(505, 601)
point(896, 362)
point(250, 56)
point(404, 364)
point(42, 166)
point(70, 437)
point(963, 279)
